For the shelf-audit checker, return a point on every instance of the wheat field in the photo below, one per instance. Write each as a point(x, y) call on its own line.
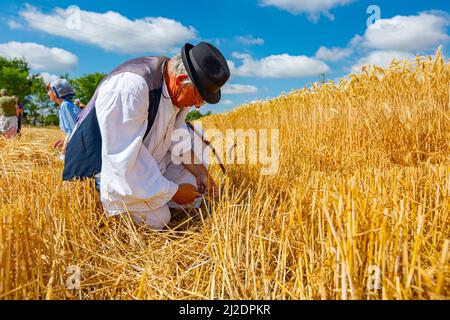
point(359, 208)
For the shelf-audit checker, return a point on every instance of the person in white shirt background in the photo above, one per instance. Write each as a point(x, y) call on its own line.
point(139, 175)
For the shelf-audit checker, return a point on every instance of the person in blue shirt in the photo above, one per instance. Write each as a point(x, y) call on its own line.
point(62, 93)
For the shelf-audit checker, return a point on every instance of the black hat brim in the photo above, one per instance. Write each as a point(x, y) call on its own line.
point(209, 97)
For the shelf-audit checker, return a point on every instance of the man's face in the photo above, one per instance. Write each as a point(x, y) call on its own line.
point(186, 94)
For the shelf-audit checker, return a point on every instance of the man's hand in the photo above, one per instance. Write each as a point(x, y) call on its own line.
point(205, 184)
point(186, 194)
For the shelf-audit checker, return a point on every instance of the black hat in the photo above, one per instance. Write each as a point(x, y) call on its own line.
point(207, 68)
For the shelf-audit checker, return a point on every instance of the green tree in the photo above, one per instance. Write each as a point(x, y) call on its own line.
point(52, 119)
point(195, 115)
point(85, 86)
point(39, 107)
point(14, 76)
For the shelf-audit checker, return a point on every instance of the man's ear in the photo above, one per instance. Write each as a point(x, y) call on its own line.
point(180, 78)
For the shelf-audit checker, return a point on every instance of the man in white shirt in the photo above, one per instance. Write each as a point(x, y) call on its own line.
point(139, 174)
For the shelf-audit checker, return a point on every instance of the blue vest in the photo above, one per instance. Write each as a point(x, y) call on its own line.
point(84, 150)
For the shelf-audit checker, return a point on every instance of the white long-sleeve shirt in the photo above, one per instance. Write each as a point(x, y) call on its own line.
point(132, 175)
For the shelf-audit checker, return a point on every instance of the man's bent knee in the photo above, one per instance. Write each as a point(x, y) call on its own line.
point(156, 220)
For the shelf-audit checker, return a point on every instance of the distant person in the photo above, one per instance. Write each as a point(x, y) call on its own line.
point(19, 114)
point(62, 93)
point(79, 104)
point(8, 117)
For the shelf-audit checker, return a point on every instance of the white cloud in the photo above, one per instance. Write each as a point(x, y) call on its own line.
point(356, 41)
point(227, 102)
point(400, 38)
point(47, 77)
point(238, 89)
point(39, 57)
point(250, 40)
point(313, 7)
point(112, 31)
point(14, 25)
point(381, 59)
point(333, 54)
point(407, 33)
point(277, 66)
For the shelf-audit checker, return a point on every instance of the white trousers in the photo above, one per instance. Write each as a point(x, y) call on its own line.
point(159, 218)
point(8, 126)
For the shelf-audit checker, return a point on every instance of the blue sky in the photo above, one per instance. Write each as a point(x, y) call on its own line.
point(272, 45)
